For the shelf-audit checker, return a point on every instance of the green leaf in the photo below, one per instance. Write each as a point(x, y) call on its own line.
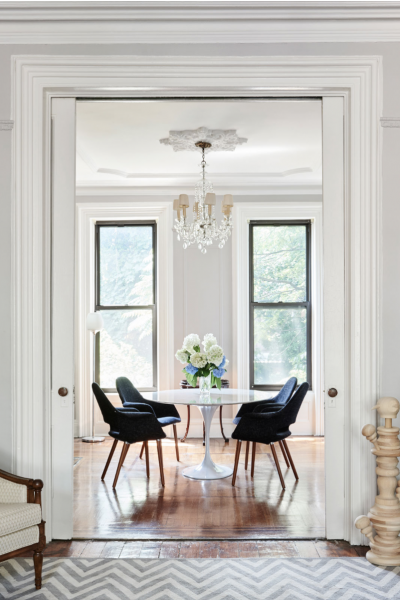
point(196, 348)
point(218, 382)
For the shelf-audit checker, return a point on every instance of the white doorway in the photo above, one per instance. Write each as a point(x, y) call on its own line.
point(34, 85)
point(333, 194)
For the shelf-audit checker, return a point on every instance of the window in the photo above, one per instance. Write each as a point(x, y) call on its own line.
point(126, 295)
point(280, 308)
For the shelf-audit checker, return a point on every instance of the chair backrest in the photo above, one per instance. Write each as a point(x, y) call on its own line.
point(107, 409)
point(286, 392)
point(127, 391)
point(289, 413)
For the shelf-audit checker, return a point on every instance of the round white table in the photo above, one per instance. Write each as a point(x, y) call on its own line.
point(207, 405)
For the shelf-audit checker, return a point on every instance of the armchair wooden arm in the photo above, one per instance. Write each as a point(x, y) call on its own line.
point(34, 486)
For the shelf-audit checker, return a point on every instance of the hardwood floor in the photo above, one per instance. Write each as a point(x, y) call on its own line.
point(255, 509)
point(203, 549)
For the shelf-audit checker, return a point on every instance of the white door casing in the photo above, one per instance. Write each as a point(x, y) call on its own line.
point(37, 79)
point(62, 309)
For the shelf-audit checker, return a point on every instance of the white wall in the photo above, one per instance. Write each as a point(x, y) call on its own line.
point(390, 288)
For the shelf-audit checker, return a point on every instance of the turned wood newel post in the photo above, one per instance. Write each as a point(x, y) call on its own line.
point(384, 516)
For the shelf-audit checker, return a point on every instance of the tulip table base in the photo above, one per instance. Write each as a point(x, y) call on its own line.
point(207, 470)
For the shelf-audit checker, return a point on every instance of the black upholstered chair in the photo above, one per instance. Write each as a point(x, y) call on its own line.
point(129, 425)
point(265, 427)
point(272, 404)
point(166, 414)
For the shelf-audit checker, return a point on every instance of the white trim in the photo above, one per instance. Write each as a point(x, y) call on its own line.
point(243, 213)
point(36, 79)
point(6, 125)
point(390, 121)
point(255, 186)
point(86, 217)
point(201, 23)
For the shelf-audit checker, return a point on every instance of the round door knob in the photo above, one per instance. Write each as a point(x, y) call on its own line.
point(332, 392)
point(62, 391)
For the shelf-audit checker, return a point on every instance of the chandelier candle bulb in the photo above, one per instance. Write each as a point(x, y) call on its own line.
point(228, 200)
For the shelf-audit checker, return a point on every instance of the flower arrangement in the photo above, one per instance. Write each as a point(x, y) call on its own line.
point(202, 364)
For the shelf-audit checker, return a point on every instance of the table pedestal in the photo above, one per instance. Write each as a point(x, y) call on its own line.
point(207, 469)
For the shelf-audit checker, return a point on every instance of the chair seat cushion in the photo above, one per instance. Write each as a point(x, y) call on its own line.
point(168, 421)
point(19, 539)
point(18, 515)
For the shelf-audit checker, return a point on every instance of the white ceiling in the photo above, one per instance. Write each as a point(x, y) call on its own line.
point(118, 146)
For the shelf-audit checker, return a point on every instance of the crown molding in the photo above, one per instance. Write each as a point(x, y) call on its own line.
point(390, 121)
point(194, 22)
point(257, 189)
point(6, 125)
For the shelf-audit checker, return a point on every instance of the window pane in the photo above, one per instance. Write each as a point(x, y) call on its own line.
point(126, 347)
point(126, 265)
point(279, 263)
point(280, 345)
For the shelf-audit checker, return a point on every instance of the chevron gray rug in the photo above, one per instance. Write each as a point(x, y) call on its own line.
point(201, 579)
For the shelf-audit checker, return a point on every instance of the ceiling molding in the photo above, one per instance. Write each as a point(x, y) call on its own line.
point(193, 22)
point(390, 121)
point(270, 189)
point(6, 125)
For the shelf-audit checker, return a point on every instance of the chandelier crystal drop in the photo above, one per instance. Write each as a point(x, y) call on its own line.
point(204, 229)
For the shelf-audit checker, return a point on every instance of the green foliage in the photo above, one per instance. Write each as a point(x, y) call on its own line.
point(279, 263)
point(280, 335)
point(126, 278)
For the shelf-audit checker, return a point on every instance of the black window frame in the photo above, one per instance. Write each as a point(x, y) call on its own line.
point(279, 305)
point(99, 307)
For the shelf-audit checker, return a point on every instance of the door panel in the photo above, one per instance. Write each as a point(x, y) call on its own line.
point(63, 207)
point(334, 315)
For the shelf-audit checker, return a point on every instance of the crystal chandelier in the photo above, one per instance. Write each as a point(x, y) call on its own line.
point(203, 229)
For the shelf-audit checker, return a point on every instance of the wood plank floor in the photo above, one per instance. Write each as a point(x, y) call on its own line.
point(255, 509)
point(203, 549)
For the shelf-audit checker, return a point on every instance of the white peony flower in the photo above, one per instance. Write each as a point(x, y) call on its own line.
point(182, 356)
point(190, 342)
point(226, 363)
point(215, 354)
point(208, 341)
point(198, 360)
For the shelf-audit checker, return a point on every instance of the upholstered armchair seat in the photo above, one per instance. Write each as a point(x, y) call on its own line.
point(15, 516)
point(21, 524)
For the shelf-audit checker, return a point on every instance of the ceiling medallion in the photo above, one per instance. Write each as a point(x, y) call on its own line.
point(219, 139)
point(203, 229)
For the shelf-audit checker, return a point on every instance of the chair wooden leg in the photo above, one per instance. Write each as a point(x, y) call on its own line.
point(38, 563)
point(237, 456)
point(176, 443)
point(277, 465)
point(253, 458)
point(204, 434)
point(146, 449)
point(124, 452)
point(290, 459)
point(222, 429)
point(246, 458)
point(142, 450)
point(115, 442)
point(187, 426)
point(160, 462)
point(282, 447)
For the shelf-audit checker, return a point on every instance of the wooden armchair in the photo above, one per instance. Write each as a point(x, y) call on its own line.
point(21, 524)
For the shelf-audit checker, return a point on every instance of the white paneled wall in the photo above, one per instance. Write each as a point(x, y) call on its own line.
point(203, 304)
